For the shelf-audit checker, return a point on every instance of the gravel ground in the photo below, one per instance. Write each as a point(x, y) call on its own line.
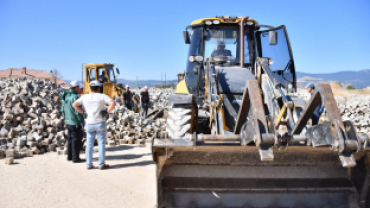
point(50, 181)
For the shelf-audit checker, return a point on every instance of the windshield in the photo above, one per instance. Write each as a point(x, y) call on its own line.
point(219, 41)
point(225, 42)
point(110, 73)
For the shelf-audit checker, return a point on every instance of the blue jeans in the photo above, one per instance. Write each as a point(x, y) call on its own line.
point(92, 130)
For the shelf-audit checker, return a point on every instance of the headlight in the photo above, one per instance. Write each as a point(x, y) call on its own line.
point(196, 58)
point(271, 61)
point(208, 22)
point(199, 58)
point(249, 23)
point(216, 22)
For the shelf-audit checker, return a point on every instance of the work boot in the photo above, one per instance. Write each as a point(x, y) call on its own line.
point(105, 166)
point(79, 161)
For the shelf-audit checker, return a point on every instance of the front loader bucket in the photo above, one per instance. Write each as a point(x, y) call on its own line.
point(190, 175)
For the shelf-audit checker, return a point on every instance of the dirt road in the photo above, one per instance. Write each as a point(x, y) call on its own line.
point(50, 181)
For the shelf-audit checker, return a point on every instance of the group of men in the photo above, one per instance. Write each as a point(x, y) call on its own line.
point(127, 101)
point(88, 111)
point(91, 105)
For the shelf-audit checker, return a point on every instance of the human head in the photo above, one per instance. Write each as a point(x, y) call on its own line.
point(220, 46)
point(103, 73)
point(75, 86)
point(146, 89)
point(310, 88)
point(95, 86)
point(127, 88)
point(81, 89)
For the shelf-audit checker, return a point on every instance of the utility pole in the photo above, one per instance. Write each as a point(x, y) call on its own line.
point(165, 83)
point(137, 82)
point(161, 80)
point(82, 74)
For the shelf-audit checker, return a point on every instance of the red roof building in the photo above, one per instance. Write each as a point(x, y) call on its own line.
point(14, 73)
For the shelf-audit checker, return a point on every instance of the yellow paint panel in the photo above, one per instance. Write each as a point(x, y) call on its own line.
point(199, 21)
point(181, 88)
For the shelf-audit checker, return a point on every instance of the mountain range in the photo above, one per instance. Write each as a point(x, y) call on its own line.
point(358, 79)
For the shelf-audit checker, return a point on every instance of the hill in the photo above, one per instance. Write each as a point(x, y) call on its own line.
point(358, 79)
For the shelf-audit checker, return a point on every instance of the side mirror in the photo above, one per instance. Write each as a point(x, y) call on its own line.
point(117, 70)
point(186, 36)
point(272, 37)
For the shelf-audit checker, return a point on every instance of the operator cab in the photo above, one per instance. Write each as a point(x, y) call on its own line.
point(105, 74)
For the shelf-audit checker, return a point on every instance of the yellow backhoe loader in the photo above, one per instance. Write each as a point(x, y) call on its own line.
point(237, 136)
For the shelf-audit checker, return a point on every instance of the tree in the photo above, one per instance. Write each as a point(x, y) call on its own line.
point(56, 73)
point(349, 87)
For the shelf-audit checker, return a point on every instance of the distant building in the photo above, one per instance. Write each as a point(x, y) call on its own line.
point(13, 73)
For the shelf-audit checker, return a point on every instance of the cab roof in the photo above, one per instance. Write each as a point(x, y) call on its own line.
point(223, 19)
point(98, 65)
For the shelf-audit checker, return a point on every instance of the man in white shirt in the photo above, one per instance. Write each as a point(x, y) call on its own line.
point(94, 104)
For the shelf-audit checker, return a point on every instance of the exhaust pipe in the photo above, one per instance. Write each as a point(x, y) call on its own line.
point(242, 40)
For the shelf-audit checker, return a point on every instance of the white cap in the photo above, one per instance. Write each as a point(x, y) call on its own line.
point(145, 87)
point(127, 86)
point(73, 84)
point(95, 83)
point(310, 85)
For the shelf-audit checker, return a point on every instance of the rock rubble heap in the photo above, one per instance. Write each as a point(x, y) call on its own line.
point(31, 122)
point(356, 109)
point(127, 127)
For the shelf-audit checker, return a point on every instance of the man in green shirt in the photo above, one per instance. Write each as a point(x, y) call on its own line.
point(73, 120)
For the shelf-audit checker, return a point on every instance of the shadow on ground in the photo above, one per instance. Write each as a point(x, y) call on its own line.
point(118, 148)
point(123, 147)
point(125, 157)
point(142, 163)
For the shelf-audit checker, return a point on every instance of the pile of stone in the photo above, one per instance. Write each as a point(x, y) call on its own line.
point(127, 127)
point(31, 122)
point(356, 109)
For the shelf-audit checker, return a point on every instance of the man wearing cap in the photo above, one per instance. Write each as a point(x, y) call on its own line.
point(126, 98)
point(96, 126)
point(319, 109)
point(102, 79)
point(73, 120)
point(144, 102)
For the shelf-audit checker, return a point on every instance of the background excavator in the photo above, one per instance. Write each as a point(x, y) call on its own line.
point(111, 88)
point(237, 136)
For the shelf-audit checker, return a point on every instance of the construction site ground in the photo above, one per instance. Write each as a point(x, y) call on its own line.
point(50, 180)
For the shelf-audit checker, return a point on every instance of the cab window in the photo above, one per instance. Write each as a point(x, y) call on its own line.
point(92, 75)
point(110, 73)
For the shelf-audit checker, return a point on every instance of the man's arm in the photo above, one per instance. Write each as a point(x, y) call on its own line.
point(77, 107)
point(111, 106)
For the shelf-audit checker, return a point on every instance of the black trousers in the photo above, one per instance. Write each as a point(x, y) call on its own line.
point(128, 104)
point(144, 110)
point(75, 134)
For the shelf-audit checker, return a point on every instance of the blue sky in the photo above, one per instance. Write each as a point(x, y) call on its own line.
point(143, 38)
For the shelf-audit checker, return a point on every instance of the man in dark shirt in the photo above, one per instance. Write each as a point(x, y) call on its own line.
point(127, 98)
point(144, 102)
point(319, 109)
point(102, 79)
